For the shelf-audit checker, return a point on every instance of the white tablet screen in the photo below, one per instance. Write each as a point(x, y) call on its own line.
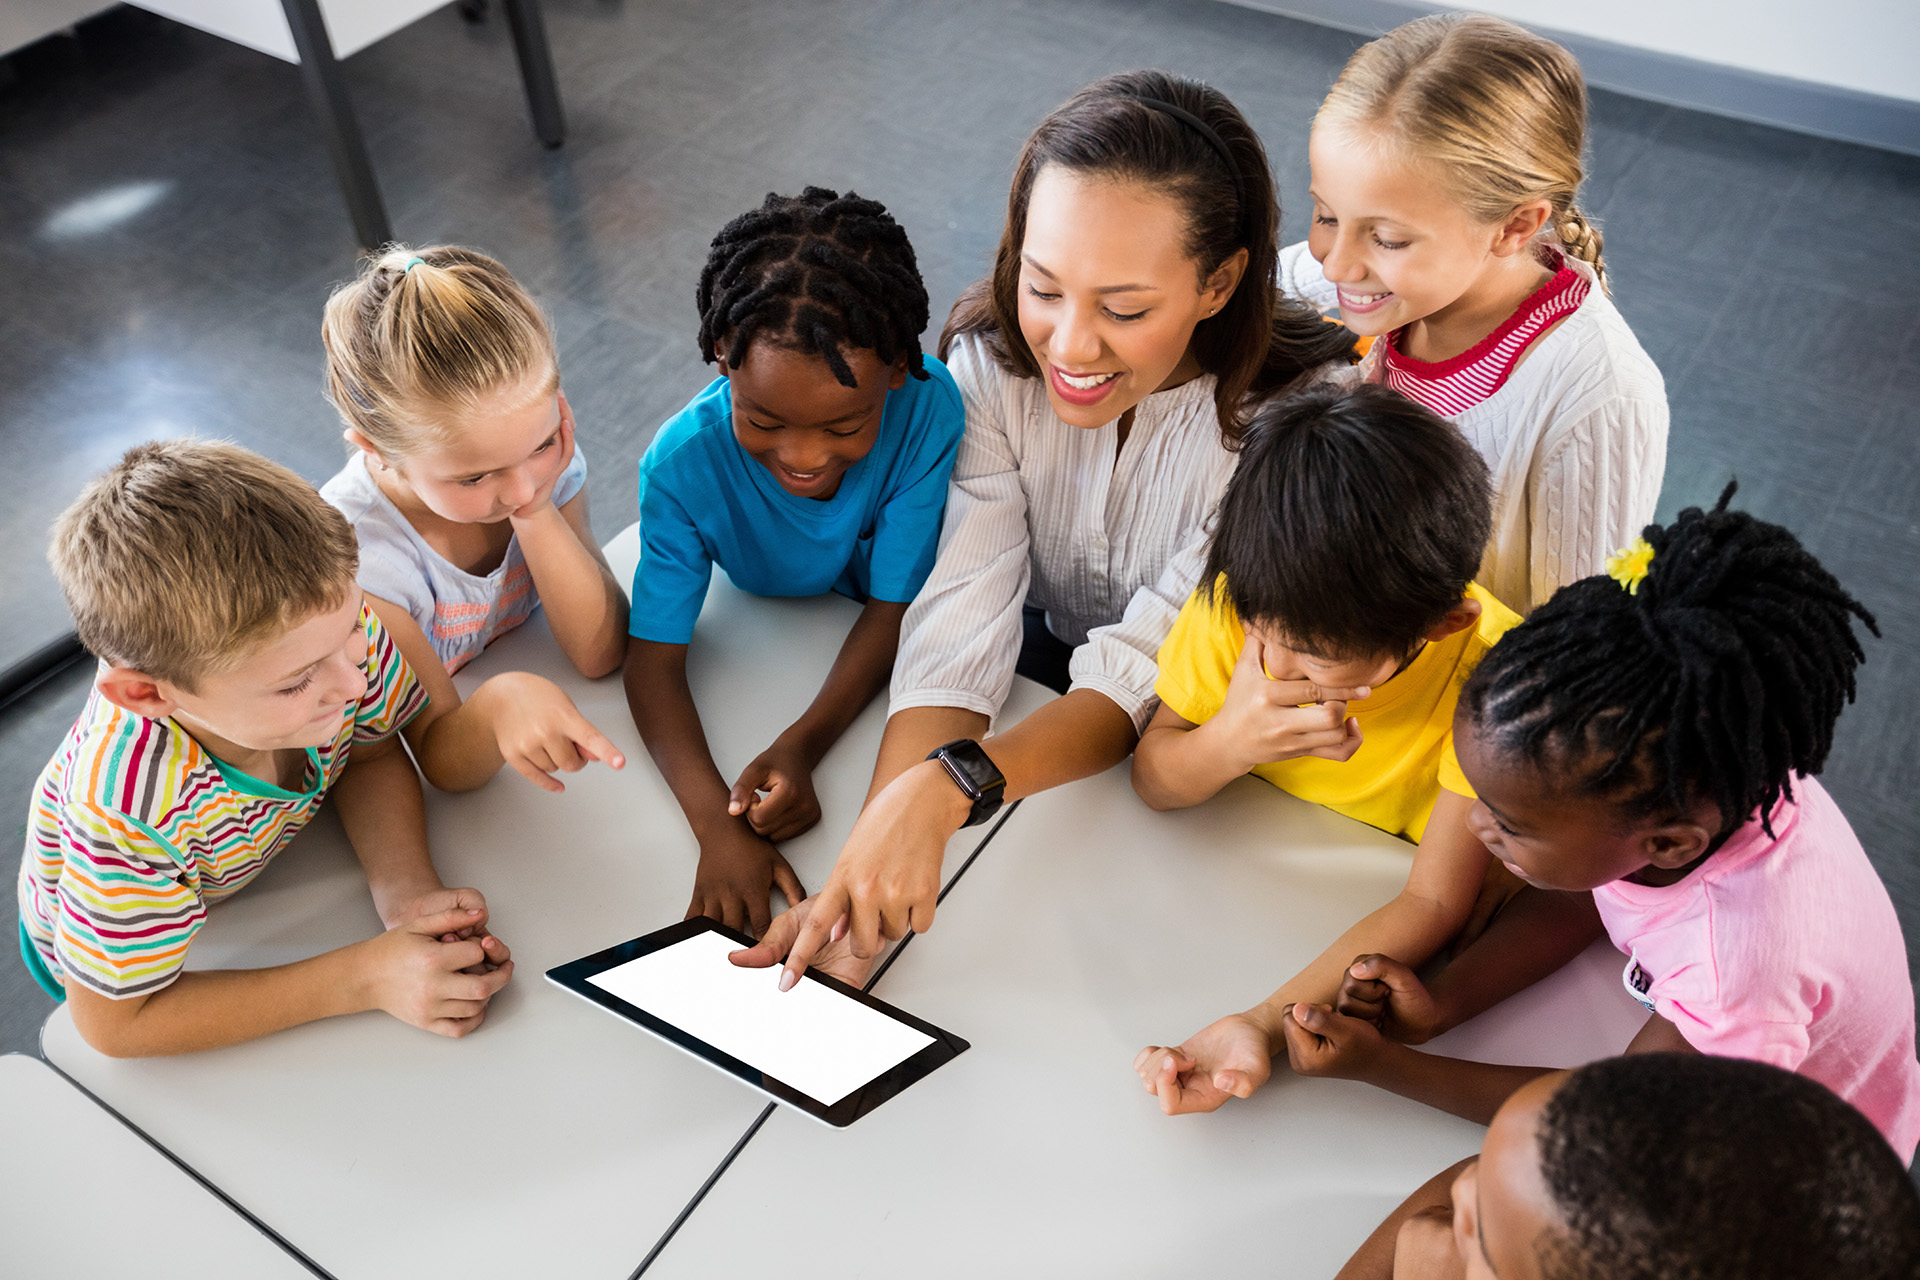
point(812, 1037)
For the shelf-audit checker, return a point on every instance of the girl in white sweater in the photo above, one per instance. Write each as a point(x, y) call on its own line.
point(1445, 161)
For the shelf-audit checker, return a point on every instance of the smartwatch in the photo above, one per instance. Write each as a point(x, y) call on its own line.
point(978, 778)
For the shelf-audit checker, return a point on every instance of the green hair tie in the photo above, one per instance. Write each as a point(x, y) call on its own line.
point(412, 263)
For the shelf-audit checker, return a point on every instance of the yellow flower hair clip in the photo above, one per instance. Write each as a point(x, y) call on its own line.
point(1628, 565)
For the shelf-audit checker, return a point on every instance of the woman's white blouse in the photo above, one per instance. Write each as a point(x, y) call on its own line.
point(1044, 513)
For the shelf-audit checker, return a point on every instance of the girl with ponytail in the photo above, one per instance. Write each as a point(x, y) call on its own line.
point(467, 493)
point(1446, 164)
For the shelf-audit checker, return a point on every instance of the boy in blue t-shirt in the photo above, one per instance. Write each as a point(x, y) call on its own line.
point(817, 462)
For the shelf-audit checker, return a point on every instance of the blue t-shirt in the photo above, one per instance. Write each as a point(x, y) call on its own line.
point(705, 501)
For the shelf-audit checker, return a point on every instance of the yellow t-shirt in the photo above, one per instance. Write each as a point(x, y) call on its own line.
point(1407, 724)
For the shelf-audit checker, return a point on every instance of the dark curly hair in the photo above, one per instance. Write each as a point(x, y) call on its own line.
point(1353, 522)
point(820, 272)
point(1674, 1166)
point(1719, 678)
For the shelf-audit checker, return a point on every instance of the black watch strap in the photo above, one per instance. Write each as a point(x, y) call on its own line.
point(975, 774)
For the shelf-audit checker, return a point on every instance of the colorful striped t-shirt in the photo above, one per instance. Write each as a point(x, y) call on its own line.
point(137, 829)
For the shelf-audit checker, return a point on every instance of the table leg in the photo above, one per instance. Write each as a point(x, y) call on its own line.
point(529, 28)
point(327, 90)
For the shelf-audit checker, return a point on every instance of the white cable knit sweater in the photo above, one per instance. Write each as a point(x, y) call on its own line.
point(1576, 440)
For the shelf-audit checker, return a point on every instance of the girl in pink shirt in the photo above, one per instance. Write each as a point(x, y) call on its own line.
point(1651, 737)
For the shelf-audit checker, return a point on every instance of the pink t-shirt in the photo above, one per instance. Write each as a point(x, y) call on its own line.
point(1783, 950)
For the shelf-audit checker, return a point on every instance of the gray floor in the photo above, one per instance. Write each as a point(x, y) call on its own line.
point(1771, 275)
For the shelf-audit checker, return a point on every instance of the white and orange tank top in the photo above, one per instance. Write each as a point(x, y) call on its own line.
point(461, 613)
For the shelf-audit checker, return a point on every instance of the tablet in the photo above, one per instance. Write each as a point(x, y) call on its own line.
point(824, 1047)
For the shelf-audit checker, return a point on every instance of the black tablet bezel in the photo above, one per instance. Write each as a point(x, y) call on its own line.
point(575, 977)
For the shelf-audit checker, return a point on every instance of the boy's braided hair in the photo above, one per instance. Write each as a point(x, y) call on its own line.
point(818, 272)
point(1718, 678)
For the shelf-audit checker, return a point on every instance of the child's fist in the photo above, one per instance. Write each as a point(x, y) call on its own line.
point(1380, 990)
point(735, 880)
point(539, 731)
point(789, 806)
point(1229, 1059)
point(1321, 1042)
point(442, 987)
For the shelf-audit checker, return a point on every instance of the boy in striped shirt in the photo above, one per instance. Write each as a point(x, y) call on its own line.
point(242, 679)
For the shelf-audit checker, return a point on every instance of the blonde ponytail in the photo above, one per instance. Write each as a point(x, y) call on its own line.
point(1499, 113)
point(422, 336)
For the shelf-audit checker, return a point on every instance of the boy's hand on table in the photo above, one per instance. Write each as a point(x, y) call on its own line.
point(736, 877)
point(539, 731)
point(1229, 1059)
point(789, 806)
point(1321, 1042)
point(1264, 721)
point(835, 958)
point(439, 901)
point(1380, 990)
point(439, 986)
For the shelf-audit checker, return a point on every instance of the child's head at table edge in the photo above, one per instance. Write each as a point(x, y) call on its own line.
point(812, 306)
point(446, 378)
point(215, 587)
point(1659, 1165)
point(1639, 718)
point(1349, 533)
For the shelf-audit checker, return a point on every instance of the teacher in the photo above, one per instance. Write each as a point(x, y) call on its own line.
point(1108, 365)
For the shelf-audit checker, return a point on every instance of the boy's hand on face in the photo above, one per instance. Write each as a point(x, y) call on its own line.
point(789, 806)
point(1321, 1042)
point(1229, 1059)
point(439, 986)
point(1380, 990)
point(1267, 720)
point(736, 877)
point(539, 731)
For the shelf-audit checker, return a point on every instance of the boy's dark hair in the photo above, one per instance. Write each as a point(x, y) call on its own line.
point(1353, 523)
point(816, 272)
point(1718, 678)
point(1671, 1166)
point(1120, 126)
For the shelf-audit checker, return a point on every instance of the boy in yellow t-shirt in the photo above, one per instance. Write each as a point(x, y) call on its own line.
point(1335, 625)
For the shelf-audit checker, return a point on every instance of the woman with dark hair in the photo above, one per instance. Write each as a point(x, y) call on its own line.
point(1108, 365)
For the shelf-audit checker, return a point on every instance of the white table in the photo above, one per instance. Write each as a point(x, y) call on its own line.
point(86, 1198)
point(557, 1140)
point(1092, 926)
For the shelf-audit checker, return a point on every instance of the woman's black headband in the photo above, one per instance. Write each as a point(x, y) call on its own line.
point(1202, 128)
point(1213, 139)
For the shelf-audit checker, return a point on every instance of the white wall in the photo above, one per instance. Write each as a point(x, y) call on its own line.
point(1869, 45)
point(24, 21)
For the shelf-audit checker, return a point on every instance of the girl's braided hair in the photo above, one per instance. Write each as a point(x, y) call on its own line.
point(1720, 677)
point(818, 272)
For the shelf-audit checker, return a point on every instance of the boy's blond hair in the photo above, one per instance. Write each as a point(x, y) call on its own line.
point(188, 554)
point(422, 336)
point(1498, 112)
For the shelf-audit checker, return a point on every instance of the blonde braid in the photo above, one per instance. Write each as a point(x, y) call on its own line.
point(1582, 240)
